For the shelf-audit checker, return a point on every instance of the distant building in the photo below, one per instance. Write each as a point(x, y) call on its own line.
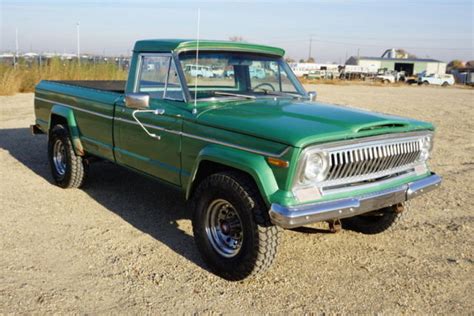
point(390, 60)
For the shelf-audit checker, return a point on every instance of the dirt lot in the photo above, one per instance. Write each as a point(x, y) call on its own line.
point(123, 244)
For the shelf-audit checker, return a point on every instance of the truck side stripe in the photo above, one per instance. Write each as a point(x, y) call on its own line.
point(75, 108)
point(205, 139)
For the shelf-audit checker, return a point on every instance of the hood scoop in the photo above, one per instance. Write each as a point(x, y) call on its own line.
point(375, 126)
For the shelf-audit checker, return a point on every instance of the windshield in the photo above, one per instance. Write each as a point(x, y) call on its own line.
point(225, 73)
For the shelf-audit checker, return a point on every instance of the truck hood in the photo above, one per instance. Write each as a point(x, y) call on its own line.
point(300, 123)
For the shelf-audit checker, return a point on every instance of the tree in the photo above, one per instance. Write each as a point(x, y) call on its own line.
point(455, 64)
point(302, 60)
point(289, 60)
point(236, 38)
point(470, 63)
point(310, 60)
point(402, 53)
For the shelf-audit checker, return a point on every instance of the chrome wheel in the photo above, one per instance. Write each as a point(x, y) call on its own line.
point(59, 157)
point(224, 228)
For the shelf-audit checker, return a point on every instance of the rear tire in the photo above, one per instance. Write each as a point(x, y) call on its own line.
point(232, 228)
point(68, 169)
point(375, 222)
point(445, 84)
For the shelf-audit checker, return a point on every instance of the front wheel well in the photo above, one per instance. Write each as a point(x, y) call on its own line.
point(207, 168)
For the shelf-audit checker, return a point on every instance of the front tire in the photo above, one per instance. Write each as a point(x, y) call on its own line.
point(232, 228)
point(68, 169)
point(377, 221)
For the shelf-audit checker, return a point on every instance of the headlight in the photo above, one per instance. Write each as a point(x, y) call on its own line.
point(315, 167)
point(426, 144)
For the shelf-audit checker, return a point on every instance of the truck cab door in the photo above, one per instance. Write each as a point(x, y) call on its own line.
point(158, 155)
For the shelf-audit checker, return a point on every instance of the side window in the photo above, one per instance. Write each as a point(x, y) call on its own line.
point(173, 88)
point(286, 84)
point(270, 76)
point(262, 75)
point(159, 78)
point(153, 73)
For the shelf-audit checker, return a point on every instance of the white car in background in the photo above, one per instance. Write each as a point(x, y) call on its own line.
point(391, 76)
point(436, 79)
point(218, 71)
point(199, 71)
point(257, 73)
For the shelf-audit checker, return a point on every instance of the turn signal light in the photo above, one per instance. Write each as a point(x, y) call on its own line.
point(278, 162)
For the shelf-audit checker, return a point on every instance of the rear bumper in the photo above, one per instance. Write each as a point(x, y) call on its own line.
point(295, 216)
point(35, 129)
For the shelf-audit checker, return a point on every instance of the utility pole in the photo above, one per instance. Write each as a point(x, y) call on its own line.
point(15, 59)
point(310, 46)
point(78, 42)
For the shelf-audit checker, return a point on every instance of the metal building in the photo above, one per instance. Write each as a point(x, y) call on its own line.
point(390, 60)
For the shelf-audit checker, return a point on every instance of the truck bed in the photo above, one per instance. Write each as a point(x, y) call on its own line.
point(117, 86)
point(90, 103)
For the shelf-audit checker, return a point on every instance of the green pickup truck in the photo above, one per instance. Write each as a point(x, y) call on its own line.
point(252, 154)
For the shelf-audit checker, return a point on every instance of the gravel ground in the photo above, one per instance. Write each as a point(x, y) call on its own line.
point(123, 243)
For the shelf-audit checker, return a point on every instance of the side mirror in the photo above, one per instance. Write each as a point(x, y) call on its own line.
point(312, 95)
point(137, 101)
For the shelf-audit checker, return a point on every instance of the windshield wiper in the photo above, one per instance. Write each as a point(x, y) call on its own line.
point(282, 94)
point(246, 96)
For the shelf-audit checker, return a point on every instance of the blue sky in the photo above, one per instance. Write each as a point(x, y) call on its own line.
point(432, 28)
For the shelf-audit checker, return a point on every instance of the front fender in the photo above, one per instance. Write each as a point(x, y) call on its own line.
point(252, 164)
point(68, 115)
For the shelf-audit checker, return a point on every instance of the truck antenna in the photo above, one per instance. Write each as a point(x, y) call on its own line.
point(197, 62)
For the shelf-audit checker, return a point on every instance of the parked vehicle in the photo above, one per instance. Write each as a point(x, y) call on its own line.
point(322, 74)
point(199, 71)
point(390, 76)
point(229, 73)
point(302, 69)
point(350, 72)
point(217, 71)
point(436, 79)
point(257, 73)
point(251, 157)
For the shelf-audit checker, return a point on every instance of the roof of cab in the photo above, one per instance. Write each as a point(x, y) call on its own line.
point(182, 45)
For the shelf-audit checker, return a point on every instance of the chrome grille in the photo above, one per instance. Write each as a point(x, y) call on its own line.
point(372, 159)
point(365, 162)
point(357, 161)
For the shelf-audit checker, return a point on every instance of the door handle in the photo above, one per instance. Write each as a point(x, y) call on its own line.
point(156, 112)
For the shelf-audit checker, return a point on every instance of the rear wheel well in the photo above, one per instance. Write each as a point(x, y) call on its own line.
point(207, 168)
point(57, 119)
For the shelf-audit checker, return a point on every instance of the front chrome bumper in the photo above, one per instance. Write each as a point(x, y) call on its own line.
point(295, 216)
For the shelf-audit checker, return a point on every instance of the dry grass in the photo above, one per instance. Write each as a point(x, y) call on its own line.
point(304, 80)
point(24, 78)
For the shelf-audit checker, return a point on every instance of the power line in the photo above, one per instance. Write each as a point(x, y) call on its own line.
point(378, 38)
point(310, 46)
point(368, 45)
